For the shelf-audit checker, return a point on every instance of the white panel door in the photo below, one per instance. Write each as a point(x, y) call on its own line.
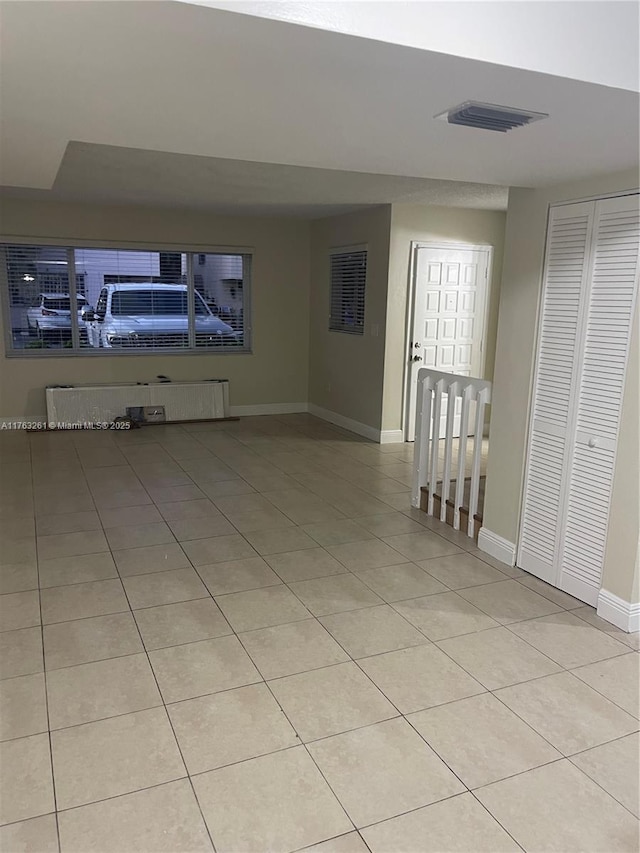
point(447, 326)
point(616, 239)
point(565, 281)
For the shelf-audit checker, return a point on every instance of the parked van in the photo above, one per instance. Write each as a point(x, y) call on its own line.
point(152, 315)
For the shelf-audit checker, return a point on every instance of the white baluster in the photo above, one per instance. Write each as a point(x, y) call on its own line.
point(435, 439)
point(422, 438)
point(462, 454)
point(452, 397)
point(481, 401)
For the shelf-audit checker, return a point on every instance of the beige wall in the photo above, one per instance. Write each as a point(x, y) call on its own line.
point(276, 371)
point(515, 352)
point(412, 222)
point(345, 371)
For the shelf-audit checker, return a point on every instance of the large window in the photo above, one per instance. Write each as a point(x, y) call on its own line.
point(70, 300)
point(348, 271)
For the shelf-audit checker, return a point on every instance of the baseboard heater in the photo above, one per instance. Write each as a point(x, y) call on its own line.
point(182, 401)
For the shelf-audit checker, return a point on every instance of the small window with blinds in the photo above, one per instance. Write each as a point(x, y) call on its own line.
point(92, 301)
point(348, 271)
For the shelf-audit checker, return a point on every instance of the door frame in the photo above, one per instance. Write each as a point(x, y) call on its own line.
point(410, 310)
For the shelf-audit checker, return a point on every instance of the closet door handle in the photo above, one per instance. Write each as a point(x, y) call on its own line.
point(593, 442)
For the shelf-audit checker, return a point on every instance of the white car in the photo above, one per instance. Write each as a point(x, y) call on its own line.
point(152, 315)
point(53, 313)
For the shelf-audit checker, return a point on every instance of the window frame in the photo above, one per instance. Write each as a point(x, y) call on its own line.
point(361, 248)
point(75, 351)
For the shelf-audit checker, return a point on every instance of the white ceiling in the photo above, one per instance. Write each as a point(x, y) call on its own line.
point(591, 40)
point(164, 79)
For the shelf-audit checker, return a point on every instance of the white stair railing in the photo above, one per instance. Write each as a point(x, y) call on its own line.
point(464, 399)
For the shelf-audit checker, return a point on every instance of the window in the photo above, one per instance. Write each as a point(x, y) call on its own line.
point(106, 301)
point(348, 270)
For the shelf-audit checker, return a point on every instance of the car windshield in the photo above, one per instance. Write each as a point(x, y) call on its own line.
point(153, 302)
point(60, 303)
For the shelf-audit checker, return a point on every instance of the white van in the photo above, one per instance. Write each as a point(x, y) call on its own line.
point(154, 316)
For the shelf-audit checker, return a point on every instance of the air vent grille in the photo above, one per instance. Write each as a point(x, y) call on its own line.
point(489, 116)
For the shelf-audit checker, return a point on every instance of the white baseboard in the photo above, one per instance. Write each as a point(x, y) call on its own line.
point(496, 546)
point(346, 423)
point(268, 409)
point(391, 436)
point(623, 614)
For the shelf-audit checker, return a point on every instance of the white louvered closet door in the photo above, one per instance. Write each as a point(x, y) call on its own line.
point(616, 242)
point(565, 282)
point(590, 285)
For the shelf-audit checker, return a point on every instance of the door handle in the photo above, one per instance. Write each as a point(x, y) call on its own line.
point(593, 442)
point(416, 358)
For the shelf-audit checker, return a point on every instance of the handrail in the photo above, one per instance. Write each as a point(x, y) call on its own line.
point(437, 390)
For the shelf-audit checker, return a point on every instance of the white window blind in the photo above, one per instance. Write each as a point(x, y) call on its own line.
point(348, 270)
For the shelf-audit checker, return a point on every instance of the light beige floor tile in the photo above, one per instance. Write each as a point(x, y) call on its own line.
point(481, 740)
point(497, 658)
point(444, 615)
point(27, 790)
point(71, 522)
point(86, 640)
point(170, 494)
point(334, 594)
point(558, 808)
point(62, 571)
point(71, 544)
point(275, 802)
point(391, 524)
point(115, 756)
point(509, 601)
point(18, 577)
point(461, 570)
point(17, 550)
point(419, 677)
point(457, 825)
point(262, 608)
point(349, 843)
point(617, 678)
point(421, 546)
point(372, 630)
point(23, 706)
point(238, 576)
point(368, 554)
point(588, 614)
point(38, 835)
point(179, 510)
point(247, 722)
point(327, 701)
point(130, 515)
point(151, 590)
point(337, 532)
point(304, 565)
point(279, 541)
point(260, 519)
point(615, 767)
point(110, 498)
point(401, 771)
point(568, 640)
point(94, 691)
point(227, 488)
point(218, 549)
point(288, 649)
point(186, 529)
point(98, 598)
point(150, 559)
point(19, 610)
point(567, 602)
point(567, 712)
point(394, 583)
point(165, 819)
point(21, 652)
point(184, 622)
point(138, 536)
point(208, 666)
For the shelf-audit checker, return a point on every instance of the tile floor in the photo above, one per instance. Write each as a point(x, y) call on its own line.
point(240, 637)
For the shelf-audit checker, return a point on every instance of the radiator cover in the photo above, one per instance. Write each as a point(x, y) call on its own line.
point(182, 401)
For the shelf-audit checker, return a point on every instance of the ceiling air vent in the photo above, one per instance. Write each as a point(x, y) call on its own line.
point(489, 116)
